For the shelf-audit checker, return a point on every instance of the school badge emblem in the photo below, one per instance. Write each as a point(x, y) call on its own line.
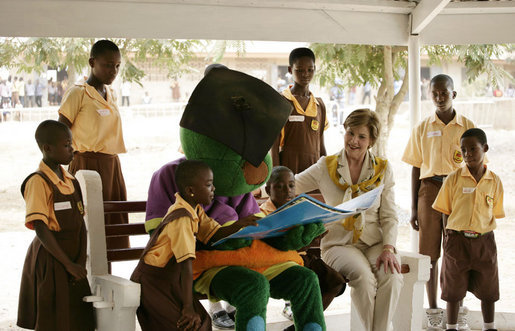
point(315, 125)
point(457, 157)
point(489, 200)
point(80, 207)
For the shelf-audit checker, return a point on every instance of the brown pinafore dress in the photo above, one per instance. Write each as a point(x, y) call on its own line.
point(303, 140)
point(161, 301)
point(50, 298)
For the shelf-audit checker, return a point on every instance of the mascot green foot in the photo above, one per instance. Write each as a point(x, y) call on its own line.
point(300, 286)
point(249, 291)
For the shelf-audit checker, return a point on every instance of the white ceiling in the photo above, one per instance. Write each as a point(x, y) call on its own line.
point(331, 21)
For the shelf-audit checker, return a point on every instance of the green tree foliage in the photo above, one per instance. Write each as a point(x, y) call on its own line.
point(72, 54)
point(354, 65)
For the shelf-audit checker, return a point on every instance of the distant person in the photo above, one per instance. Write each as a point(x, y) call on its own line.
point(15, 94)
point(434, 152)
point(40, 87)
point(54, 278)
point(4, 93)
point(30, 92)
point(90, 110)
point(176, 91)
point(301, 142)
point(367, 90)
point(126, 93)
point(52, 91)
point(147, 99)
point(21, 91)
point(471, 199)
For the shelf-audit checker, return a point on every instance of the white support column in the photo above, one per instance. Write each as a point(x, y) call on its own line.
point(414, 100)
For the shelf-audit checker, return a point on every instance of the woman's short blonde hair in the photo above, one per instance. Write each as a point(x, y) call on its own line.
point(364, 117)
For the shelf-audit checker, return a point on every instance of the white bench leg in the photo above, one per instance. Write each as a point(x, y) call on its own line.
point(410, 309)
point(409, 313)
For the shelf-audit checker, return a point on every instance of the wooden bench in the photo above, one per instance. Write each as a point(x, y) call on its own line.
point(116, 299)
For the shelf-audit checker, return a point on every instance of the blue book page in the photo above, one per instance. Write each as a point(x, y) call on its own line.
point(304, 210)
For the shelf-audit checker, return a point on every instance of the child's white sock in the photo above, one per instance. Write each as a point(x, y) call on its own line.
point(452, 326)
point(487, 326)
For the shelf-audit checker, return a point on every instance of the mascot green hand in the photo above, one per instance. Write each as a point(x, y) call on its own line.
point(231, 122)
point(297, 238)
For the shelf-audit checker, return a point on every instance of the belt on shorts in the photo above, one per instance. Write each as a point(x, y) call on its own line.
point(469, 234)
point(439, 179)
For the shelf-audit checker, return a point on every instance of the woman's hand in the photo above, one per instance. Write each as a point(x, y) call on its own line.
point(387, 258)
point(189, 319)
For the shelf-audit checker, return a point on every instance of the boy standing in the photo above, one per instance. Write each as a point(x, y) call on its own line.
point(301, 142)
point(472, 197)
point(434, 151)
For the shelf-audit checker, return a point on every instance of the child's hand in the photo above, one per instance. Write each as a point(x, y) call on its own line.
point(76, 270)
point(248, 221)
point(189, 319)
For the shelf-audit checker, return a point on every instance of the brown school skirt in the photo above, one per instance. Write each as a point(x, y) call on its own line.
point(113, 186)
point(469, 264)
point(161, 302)
point(50, 299)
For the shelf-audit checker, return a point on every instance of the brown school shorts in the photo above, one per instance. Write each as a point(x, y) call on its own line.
point(469, 264)
point(429, 220)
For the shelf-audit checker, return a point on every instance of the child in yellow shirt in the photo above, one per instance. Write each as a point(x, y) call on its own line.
point(471, 198)
point(165, 269)
point(54, 279)
point(281, 189)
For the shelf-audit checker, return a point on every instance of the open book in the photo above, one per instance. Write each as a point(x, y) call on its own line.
point(304, 210)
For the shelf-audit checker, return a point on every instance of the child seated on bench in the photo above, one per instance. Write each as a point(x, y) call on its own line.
point(281, 189)
point(165, 268)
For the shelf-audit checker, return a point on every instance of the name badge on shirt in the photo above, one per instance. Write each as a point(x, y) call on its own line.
point(103, 112)
point(62, 205)
point(434, 134)
point(296, 118)
point(468, 190)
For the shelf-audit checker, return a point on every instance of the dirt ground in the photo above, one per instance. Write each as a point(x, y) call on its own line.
point(151, 142)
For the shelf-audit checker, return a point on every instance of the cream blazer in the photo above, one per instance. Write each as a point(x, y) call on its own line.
point(380, 220)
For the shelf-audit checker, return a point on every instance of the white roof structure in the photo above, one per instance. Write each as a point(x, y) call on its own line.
point(383, 22)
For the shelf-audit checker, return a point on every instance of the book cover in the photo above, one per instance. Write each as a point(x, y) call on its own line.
point(304, 210)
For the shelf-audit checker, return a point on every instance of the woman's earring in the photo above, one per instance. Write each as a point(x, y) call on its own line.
point(192, 194)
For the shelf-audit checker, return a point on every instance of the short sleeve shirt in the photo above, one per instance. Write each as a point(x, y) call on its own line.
point(470, 205)
point(267, 207)
point(39, 200)
point(435, 147)
point(96, 122)
point(178, 238)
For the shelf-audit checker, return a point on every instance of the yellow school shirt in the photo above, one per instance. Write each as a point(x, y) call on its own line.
point(435, 147)
point(267, 207)
point(38, 197)
point(96, 122)
point(178, 237)
point(470, 205)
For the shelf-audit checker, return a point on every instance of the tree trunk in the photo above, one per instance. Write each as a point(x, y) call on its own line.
point(387, 102)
